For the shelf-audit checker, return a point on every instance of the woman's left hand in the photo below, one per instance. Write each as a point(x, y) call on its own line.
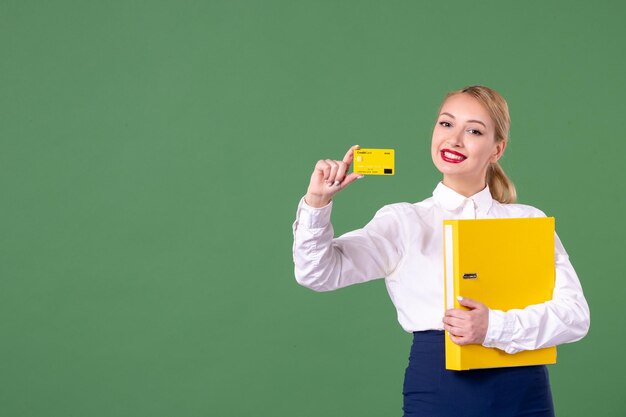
point(467, 327)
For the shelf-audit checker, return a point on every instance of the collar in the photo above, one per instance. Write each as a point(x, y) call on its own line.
point(451, 200)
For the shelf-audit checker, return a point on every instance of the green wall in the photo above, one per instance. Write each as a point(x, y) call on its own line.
point(152, 154)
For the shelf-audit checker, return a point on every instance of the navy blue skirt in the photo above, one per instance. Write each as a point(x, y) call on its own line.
point(431, 390)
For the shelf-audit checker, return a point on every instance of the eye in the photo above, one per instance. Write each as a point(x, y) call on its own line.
point(445, 124)
point(475, 132)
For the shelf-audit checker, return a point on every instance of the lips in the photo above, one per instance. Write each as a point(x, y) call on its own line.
point(452, 156)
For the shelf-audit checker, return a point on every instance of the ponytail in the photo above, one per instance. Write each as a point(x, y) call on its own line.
point(500, 186)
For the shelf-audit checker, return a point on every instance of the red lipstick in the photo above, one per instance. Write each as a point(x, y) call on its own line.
point(452, 156)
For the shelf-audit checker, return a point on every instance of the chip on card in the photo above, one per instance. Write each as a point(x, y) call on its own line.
point(374, 161)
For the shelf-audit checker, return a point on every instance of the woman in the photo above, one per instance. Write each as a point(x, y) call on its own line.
point(403, 244)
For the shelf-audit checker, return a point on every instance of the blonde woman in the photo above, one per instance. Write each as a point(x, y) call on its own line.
point(403, 244)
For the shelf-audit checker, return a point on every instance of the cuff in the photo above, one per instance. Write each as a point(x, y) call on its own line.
point(312, 217)
point(499, 331)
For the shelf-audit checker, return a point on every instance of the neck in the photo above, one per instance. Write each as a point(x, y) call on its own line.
point(465, 186)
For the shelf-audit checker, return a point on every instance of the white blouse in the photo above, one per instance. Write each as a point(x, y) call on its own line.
point(403, 243)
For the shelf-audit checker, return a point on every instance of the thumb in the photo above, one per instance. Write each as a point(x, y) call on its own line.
point(469, 303)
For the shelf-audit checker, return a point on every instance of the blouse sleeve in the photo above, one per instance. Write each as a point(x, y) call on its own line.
point(563, 319)
point(325, 263)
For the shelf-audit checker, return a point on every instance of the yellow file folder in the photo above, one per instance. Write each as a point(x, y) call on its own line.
point(505, 264)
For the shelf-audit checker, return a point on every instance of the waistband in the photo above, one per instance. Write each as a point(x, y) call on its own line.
point(429, 336)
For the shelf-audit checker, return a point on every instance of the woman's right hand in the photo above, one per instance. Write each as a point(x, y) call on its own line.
point(328, 178)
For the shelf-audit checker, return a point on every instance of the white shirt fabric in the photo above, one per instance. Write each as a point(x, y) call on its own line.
point(403, 244)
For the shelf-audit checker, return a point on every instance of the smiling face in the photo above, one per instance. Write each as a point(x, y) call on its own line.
point(464, 144)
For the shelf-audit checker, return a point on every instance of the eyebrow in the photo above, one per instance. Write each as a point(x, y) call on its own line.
point(475, 121)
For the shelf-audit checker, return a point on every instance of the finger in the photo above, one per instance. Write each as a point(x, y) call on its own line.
point(326, 171)
point(349, 157)
point(458, 340)
point(334, 166)
point(350, 179)
point(454, 322)
point(455, 331)
point(469, 303)
point(341, 172)
point(321, 171)
point(450, 329)
point(458, 313)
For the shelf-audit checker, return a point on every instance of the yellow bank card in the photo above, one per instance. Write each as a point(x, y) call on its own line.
point(374, 161)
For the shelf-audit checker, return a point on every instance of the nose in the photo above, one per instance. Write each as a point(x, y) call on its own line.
point(455, 139)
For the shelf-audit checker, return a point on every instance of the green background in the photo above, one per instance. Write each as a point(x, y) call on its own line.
point(153, 153)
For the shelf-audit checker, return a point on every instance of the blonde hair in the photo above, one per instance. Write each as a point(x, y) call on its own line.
point(501, 187)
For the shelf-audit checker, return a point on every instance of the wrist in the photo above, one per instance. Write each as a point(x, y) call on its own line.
point(316, 201)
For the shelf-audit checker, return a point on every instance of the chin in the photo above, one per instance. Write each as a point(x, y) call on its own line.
point(445, 168)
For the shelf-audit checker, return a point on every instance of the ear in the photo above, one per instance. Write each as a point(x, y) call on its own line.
point(499, 150)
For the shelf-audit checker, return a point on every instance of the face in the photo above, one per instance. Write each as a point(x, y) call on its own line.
point(463, 141)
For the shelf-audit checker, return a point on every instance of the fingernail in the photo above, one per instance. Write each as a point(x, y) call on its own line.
point(459, 298)
point(337, 182)
point(358, 178)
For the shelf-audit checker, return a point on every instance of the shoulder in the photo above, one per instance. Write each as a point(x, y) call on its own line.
point(516, 210)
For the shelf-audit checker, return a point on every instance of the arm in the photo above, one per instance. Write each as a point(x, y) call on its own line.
point(325, 263)
point(563, 319)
